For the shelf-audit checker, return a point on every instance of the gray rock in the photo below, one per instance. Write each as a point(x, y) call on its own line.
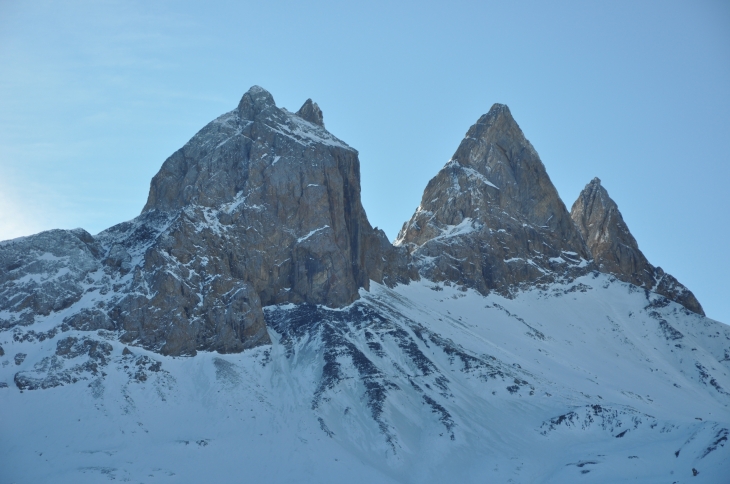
point(311, 112)
point(51, 371)
point(491, 219)
point(20, 358)
point(615, 250)
point(72, 347)
point(262, 207)
point(45, 272)
point(92, 319)
point(2, 351)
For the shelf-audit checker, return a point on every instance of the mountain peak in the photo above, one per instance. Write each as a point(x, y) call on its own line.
point(496, 112)
point(615, 250)
point(497, 109)
point(265, 203)
point(491, 218)
point(311, 112)
point(255, 100)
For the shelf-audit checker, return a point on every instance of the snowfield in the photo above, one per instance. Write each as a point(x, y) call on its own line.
point(591, 381)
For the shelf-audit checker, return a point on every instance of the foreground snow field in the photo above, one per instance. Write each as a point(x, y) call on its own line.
point(591, 381)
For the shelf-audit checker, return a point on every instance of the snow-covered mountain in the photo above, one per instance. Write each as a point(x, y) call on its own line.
point(251, 325)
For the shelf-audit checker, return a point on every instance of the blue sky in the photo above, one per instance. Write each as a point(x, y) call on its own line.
point(95, 95)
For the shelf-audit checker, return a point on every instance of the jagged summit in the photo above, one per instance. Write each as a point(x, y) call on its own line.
point(608, 237)
point(491, 218)
point(495, 110)
point(311, 112)
point(616, 251)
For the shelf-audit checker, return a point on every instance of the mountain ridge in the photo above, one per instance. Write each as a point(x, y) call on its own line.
point(273, 200)
point(251, 322)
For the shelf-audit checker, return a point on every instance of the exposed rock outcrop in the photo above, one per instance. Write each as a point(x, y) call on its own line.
point(615, 250)
point(311, 112)
point(45, 272)
point(491, 219)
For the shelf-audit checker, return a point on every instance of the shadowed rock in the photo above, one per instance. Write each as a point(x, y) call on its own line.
point(264, 208)
point(615, 250)
point(44, 273)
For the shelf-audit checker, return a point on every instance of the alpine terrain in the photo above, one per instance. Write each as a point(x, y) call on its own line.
point(250, 325)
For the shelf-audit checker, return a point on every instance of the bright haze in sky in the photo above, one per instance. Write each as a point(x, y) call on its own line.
point(95, 95)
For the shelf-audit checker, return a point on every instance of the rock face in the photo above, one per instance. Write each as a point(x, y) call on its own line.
point(288, 193)
point(260, 207)
point(44, 273)
point(615, 250)
point(491, 219)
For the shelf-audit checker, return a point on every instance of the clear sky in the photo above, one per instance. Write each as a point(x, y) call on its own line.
point(94, 95)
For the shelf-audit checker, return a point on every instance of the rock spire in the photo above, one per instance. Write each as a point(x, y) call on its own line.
point(311, 112)
point(491, 219)
point(615, 250)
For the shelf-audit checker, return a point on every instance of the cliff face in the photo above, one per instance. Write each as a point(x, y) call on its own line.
point(615, 250)
point(491, 219)
point(283, 194)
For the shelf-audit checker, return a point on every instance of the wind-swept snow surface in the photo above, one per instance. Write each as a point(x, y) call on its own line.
point(591, 381)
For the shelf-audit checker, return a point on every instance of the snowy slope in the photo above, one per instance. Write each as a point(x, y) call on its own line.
point(592, 381)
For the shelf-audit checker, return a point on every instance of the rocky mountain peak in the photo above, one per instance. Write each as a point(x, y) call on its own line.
point(255, 100)
point(311, 112)
point(254, 238)
point(494, 114)
point(260, 207)
point(497, 126)
point(213, 167)
point(600, 222)
point(491, 218)
point(615, 250)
